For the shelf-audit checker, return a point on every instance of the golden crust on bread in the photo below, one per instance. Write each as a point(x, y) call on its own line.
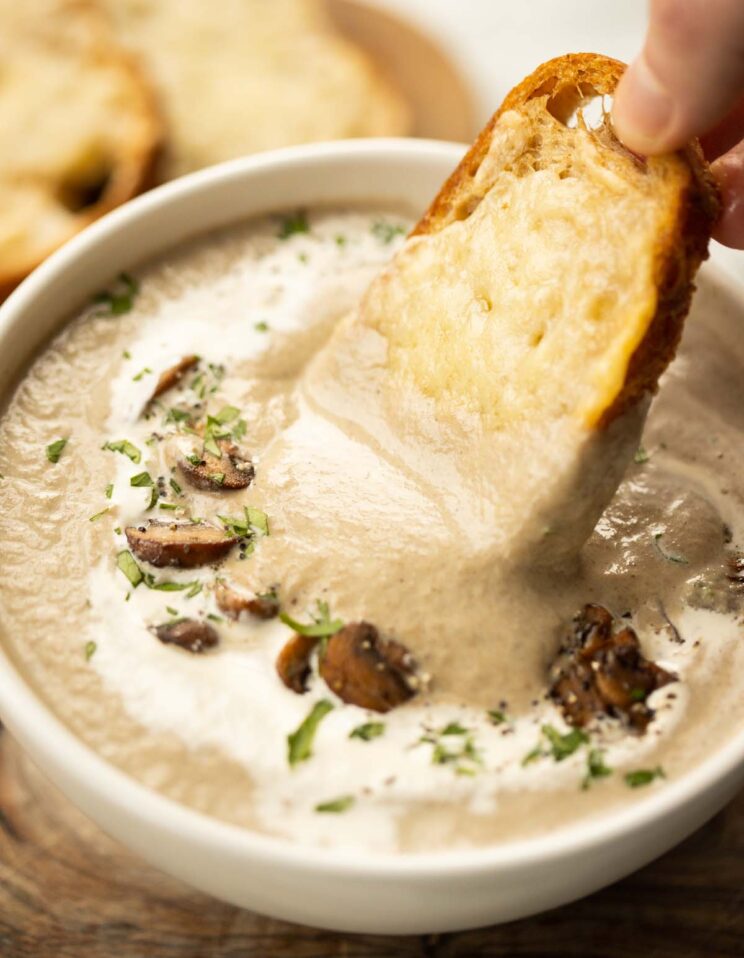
point(680, 183)
point(80, 127)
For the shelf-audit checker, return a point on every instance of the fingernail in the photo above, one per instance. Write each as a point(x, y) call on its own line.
point(644, 110)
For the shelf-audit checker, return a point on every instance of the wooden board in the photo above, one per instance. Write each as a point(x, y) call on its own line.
point(68, 891)
point(440, 97)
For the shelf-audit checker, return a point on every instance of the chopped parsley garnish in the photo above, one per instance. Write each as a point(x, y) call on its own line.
point(141, 479)
point(560, 745)
point(643, 776)
point(128, 565)
point(595, 767)
point(261, 327)
point(255, 521)
point(386, 232)
point(195, 460)
point(368, 731)
point(170, 610)
point(641, 456)
point(300, 742)
point(214, 618)
point(342, 804)
point(454, 745)
point(154, 496)
point(669, 556)
point(227, 414)
point(321, 626)
point(126, 448)
point(340, 239)
point(175, 487)
point(89, 650)
point(109, 490)
point(177, 416)
point(119, 299)
point(98, 515)
point(497, 717)
point(639, 695)
point(292, 224)
point(54, 449)
point(152, 583)
point(168, 506)
point(239, 429)
point(303, 257)
point(141, 374)
point(126, 354)
point(195, 589)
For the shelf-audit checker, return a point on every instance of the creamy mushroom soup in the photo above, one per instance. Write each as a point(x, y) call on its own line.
point(228, 584)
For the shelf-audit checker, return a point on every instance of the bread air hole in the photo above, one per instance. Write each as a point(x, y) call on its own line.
point(85, 186)
point(580, 105)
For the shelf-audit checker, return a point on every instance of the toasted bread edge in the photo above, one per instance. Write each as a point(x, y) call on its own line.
point(680, 250)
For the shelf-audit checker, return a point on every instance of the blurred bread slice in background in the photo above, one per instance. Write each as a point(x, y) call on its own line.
point(247, 75)
point(79, 125)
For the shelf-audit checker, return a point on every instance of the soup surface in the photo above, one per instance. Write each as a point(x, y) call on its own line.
point(350, 503)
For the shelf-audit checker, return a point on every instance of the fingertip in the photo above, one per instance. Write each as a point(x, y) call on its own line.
point(729, 172)
point(643, 114)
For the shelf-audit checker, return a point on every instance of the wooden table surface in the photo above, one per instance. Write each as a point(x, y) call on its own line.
point(68, 891)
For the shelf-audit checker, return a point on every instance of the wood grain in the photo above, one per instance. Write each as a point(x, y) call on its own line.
point(68, 891)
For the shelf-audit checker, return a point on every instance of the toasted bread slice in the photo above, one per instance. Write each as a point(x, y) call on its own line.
point(252, 76)
point(80, 129)
point(563, 264)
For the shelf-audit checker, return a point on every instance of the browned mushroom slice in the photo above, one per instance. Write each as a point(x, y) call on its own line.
point(293, 662)
point(228, 471)
point(182, 544)
point(364, 669)
point(173, 376)
point(232, 603)
point(735, 569)
point(599, 671)
point(189, 634)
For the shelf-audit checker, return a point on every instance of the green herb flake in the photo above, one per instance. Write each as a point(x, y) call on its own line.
point(368, 731)
point(227, 414)
point(126, 354)
point(386, 232)
point(669, 556)
point(293, 224)
point(257, 519)
point(167, 586)
point(168, 506)
point(454, 728)
point(141, 479)
point(119, 299)
point(323, 625)
point(641, 456)
point(175, 487)
point(300, 742)
point(563, 745)
point(109, 490)
point(639, 695)
point(195, 589)
point(98, 515)
point(128, 565)
point(170, 610)
point(126, 448)
point(532, 756)
point(141, 374)
point(219, 478)
point(240, 429)
point(340, 240)
point(261, 327)
point(195, 460)
point(643, 776)
point(54, 449)
point(595, 767)
point(336, 806)
point(497, 717)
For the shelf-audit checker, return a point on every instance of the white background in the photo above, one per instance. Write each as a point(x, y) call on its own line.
point(495, 43)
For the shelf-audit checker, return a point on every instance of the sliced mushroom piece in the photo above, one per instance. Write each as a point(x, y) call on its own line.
point(182, 544)
point(215, 473)
point(735, 569)
point(232, 603)
point(172, 377)
point(293, 662)
point(601, 671)
point(189, 634)
point(366, 670)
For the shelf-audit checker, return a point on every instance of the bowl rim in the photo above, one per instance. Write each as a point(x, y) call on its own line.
point(38, 724)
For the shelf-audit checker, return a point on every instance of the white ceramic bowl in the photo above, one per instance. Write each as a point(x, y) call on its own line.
point(352, 892)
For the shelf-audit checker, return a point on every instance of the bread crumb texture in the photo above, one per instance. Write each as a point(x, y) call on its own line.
point(552, 274)
point(250, 75)
point(80, 128)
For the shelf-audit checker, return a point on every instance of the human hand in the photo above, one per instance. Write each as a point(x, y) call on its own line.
point(688, 81)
